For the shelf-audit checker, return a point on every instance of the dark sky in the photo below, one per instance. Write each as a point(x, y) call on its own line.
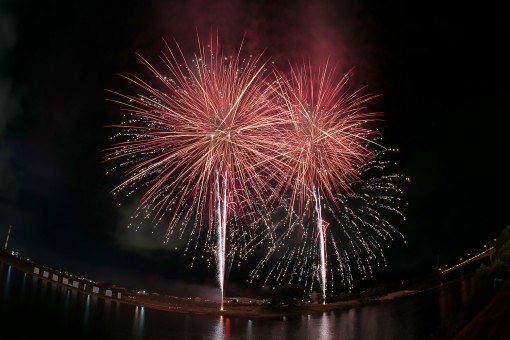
point(443, 71)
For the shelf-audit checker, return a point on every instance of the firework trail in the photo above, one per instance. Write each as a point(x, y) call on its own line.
point(357, 237)
point(327, 142)
point(197, 142)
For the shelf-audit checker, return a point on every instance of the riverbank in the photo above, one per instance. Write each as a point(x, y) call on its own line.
point(264, 311)
point(187, 305)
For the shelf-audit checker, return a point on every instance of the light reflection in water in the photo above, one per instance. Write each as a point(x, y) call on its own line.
point(138, 321)
point(106, 310)
point(7, 282)
point(53, 294)
point(67, 302)
point(217, 333)
point(117, 312)
point(409, 318)
point(222, 329)
point(74, 298)
point(369, 322)
point(142, 321)
point(249, 330)
point(325, 330)
point(280, 331)
point(321, 327)
point(135, 320)
point(33, 287)
point(347, 324)
point(44, 288)
point(227, 329)
point(87, 311)
point(444, 302)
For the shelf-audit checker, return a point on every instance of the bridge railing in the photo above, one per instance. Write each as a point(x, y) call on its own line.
point(487, 253)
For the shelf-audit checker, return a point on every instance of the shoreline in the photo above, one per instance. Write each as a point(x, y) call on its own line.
point(188, 306)
point(257, 311)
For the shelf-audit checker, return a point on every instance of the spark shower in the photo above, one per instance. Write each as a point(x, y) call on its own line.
point(217, 143)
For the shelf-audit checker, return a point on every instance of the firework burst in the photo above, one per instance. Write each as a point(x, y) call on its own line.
point(327, 146)
point(353, 242)
point(196, 142)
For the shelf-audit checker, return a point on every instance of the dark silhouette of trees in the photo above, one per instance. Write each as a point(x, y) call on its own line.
point(287, 295)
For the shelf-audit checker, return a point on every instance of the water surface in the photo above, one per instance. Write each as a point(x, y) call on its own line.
point(33, 308)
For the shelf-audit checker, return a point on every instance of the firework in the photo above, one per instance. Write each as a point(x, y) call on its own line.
point(356, 237)
point(327, 145)
point(196, 142)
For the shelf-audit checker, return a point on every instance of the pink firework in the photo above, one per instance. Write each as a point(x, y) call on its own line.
point(327, 141)
point(328, 136)
point(197, 140)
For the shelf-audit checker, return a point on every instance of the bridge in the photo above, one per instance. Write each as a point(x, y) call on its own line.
point(487, 253)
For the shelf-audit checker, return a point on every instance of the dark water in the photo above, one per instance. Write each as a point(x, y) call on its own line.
point(31, 308)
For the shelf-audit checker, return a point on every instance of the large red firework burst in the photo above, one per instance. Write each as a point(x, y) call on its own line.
point(327, 140)
point(198, 140)
point(327, 136)
point(200, 123)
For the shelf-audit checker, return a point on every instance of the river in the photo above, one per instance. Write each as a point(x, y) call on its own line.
point(33, 308)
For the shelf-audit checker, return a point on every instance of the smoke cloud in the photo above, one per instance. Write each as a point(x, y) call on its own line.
point(285, 31)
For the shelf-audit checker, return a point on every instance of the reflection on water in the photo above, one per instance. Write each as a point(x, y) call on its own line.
point(249, 330)
point(86, 314)
point(347, 324)
point(6, 281)
point(325, 326)
point(138, 322)
point(67, 301)
point(7, 286)
point(60, 312)
point(444, 302)
point(217, 332)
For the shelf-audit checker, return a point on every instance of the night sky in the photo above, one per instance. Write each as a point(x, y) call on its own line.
point(443, 71)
